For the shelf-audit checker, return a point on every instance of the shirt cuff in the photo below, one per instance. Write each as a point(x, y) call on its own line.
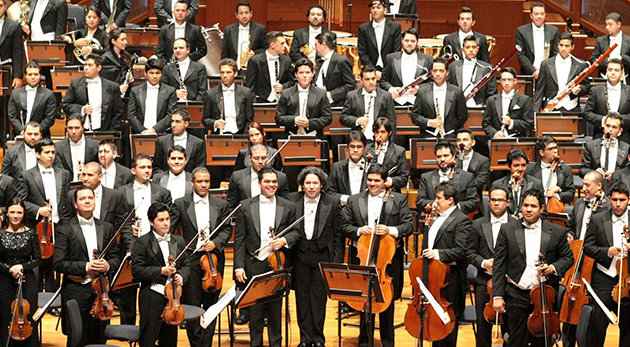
point(83, 110)
point(329, 96)
point(344, 198)
point(393, 231)
point(86, 266)
point(603, 120)
point(554, 270)
point(286, 243)
point(358, 231)
point(389, 179)
point(437, 255)
point(239, 269)
point(428, 125)
point(511, 126)
point(483, 262)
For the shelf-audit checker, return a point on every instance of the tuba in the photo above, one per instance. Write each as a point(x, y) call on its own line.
point(19, 11)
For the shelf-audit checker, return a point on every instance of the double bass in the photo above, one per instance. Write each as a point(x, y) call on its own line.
point(46, 233)
point(543, 321)
point(20, 328)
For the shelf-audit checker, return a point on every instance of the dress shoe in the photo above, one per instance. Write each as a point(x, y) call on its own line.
point(55, 312)
point(304, 344)
point(319, 344)
point(242, 319)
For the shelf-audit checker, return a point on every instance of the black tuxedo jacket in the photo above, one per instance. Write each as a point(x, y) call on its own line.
point(574, 225)
point(408, 7)
point(525, 39)
point(318, 110)
point(240, 188)
point(14, 161)
point(621, 175)
point(355, 107)
point(452, 40)
point(392, 75)
point(547, 83)
point(327, 229)
point(196, 80)
point(591, 160)
point(62, 150)
point(123, 7)
point(603, 43)
point(114, 68)
point(55, 16)
point(481, 246)
point(195, 152)
point(257, 42)
point(163, 11)
point(166, 105)
point(183, 215)
point(596, 109)
point(112, 207)
point(11, 46)
point(45, 109)
point(394, 156)
point(454, 113)
point(7, 190)
point(456, 76)
point(510, 254)
point(467, 198)
point(599, 238)
point(243, 105)
point(158, 194)
point(338, 79)
point(247, 233)
point(111, 109)
point(529, 182)
point(193, 36)
point(300, 38)
point(479, 166)
point(339, 179)
point(258, 79)
point(242, 159)
point(367, 44)
point(148, 261)
point(30, 187)
point(564, 179)
point(123, 176)
point(161, 179)
point(521, 110)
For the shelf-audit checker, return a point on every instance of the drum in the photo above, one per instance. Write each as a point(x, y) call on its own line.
point(348, 46)
point(430, 47)
point(214, 40)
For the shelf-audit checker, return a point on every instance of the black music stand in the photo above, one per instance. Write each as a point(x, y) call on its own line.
point(347, 282)
point(262, 289)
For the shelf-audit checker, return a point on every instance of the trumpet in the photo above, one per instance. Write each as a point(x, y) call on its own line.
point(245, 52)
point(438, 116)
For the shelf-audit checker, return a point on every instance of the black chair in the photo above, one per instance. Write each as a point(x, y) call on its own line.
point(77, 13)
point(583, 324)
point(123, 332)
point(75, 328)
point(470, 314)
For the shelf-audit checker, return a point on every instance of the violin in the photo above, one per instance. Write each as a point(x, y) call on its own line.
point(173, 313)
point(45, 232)
point(490, 314)
point(377, 250)
point(434, 274)
point(212, 280)
point(277, 258)
point(451, 170)
point(553, 204)
point(373, 156)
point(543, 321)
point(103, 307)
point(621, 291)
point(20, 328)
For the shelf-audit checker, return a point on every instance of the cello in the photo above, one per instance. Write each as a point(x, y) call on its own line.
point(434, 275)
point(45, 232)
point(20, 328)
point(543, 321)
point(621, 291)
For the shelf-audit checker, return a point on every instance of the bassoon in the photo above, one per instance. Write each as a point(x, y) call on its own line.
point(426, 76)
point(495, 71)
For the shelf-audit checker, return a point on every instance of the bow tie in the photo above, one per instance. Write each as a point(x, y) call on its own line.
point(469, 62)
point(153, 87)
point(139, 187)
point(93, 81)
point(200, 201)
point(48, 171)
point(243, 28)
point(228, 90)
point(616, 219)
point(377, 25)
point(301, 91)
point(31, 89)
point(89, 222)
point(29, 149)
point(276, 58)
point(166, 237)
point(496, 221)
point(178, 138)
point(612, 142)
point(564, 61)
point(616, 88)
point(545, 165)
point(530, 226)
point(358, 165)
point(537, 29)
point(311, 201)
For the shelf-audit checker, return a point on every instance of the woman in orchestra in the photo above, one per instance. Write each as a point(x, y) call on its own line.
point(116, 60)
point(83, 37)
point(19, 256)
point(257, 135)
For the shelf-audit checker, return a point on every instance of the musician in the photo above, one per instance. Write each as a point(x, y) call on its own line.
point(151, 268)
point(32, 103)
point(303, 43)
point(469, 71)
point(515, 269)
point(606, 155)
point(114, 174)
point(450, 112)
point(390, 155)
point(243, 183)
point(95, 98)
point(256, 135)
point(538, 40)
point(471, 161)
point(117, 62)
point(614, 35)
point(584, 207)
point(76, 150)
point(380, 31)
point(175, 179)
point(245, 32)
point(188, 77)
point(165, 11)
point(466, 21)
point(12, 46)
point(194, 146)
point(151, 104)
point(467, 199)
point(20, 255)
point(517, 163)
point(22, 157)
point(404, 67)
point(320, 241)
point(509, 114)
point(195, 212)
point(120, 9)
point(363, 106)
point(269, 211)
point(181, 29)
point(73, 257)
point(559, 183)
point(609, 97)
point(268, 73)
point(348, 176)
point(481, 254)
point(229, 106)
point(85, 37)
point(564, 67)
point(47, 20)
point(303, 109)
point(333, 71)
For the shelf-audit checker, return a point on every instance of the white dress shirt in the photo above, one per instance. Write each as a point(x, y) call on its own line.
point(381, 153)
point(439, 95)
point(98, 201)
point(180, 30)
point(165, 249)
point(273, 64)
point(254, 187)
point(355, 175)
point(1, 22)
point(142, 201)
point(310, 211)
point(151, 105)
point(495, 223)
point(229, 109)
point(243, 40)
point(617, 231)
point(95, 99)
point(37, 32)
point(30, 99)
point(466, 161)
point(539, 44)
point(506, 99)
point(323, 70)
point(469, 69)
point(586, 218)
point(267, 208)
point(30, 157)
point(530, 278)
point(379, 31)
point(311, 40)
point(549, 178)
point(462, 35)
point(183, 67)
point(181, 140)
point(176, 184)
point(77, 156)
point(614, 95)
point(303, 109)
point(436, 225)
point(612, 155)
point(408, 64)
point(202, 216)
point(88, 229)
point(369, 99)
point(375, 205)
point(50, 189)
point(616, 39)
point(563, 68)
point(109, 176)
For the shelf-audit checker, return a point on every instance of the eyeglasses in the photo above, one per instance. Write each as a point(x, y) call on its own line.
point(497, 200)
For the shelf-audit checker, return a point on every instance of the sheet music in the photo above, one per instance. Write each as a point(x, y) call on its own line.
point(213, 311)
point(599, 302)
point(438, 309)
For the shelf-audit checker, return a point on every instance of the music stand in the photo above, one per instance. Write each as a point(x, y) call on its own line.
point(265, 114)
point(143, 143)
point(562, 126)
point(46, 53)
point(335, 127)
point(475, 118)
point(304, 150)
point(404, 125)
point(223, 149)
point(347, 282)
point(499, 148)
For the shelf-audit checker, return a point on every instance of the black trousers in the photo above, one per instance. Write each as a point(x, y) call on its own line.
point(310, 292)
point(195, 295)
point(127, 298)
point(8, 293)
point(385, 327)
point(47, 276)
point(93, 329)
point(152, 328)
point(518, 308)
point(271, 310)
point(603, 286)
point(484, 329)
point(455, 294)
